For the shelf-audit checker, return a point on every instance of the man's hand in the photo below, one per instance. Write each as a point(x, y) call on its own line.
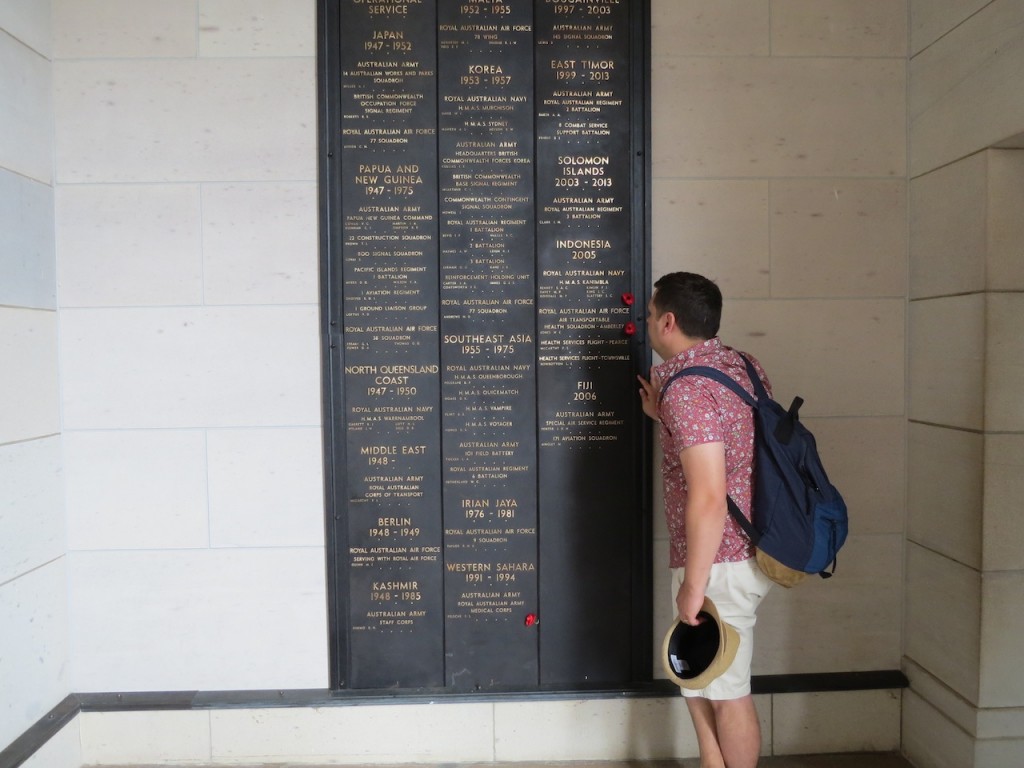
point(689, 601)
point(650, 391)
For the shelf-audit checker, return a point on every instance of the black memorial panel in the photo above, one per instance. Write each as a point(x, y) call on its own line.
point(485, 240)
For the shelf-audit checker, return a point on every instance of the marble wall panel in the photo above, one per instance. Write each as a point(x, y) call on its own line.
point(866, 460)
point(414, 733)
point(185, 120)
point(948, 229)
point(29, 21)
point(198, 620)
point(965, 90)
point(715, 28)
point(843, 356)
point(715, 228)
point(1004, 489)
point(215, 367)
point(942, 623)
point(266, 487)
point(945, 481)
point(1004, 365)
point(137, 489)
point(850, 622)
point(31, 506)
point(838, 238)
point(737, 117)
point(28, 387)
point(847, 721)
point(145, 738)
point(946, 361)
point(1002, 626)
point(1005, 266)
point(839, 28)
point(129, 245)
point(260, 243)
point(261, 28)
point(33, 664)
point(27, 260)
point(26, 84)
point(108, 29)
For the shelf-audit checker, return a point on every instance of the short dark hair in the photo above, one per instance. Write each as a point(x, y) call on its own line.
point(695, 301)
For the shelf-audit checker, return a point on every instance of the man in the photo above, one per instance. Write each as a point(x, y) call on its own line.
point(707, 435)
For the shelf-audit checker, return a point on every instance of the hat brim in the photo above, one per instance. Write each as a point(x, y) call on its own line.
point(728, 644)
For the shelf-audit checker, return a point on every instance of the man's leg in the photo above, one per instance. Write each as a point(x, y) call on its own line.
point(703, 716)
point(739, 731)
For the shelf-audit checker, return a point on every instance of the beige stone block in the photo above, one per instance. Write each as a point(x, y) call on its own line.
point(257, 28)
point(710, 27)
point(838, 238)
point(26, 129)
point(942, 624)
point(593, 729)
point(942, 698)
point(664, 613)
point(931, 19)
point(715, 228)
point(1004, 489)
point(415, 733)
point(842, 721)
point(147, 235)
point(34, 665)
point(29, 21)
point(159, 367)
point(998, 753)
point(29, 386)
point(744, 117)
point(134, 738)
point(1004, 370)
point(124, 28)
point(965, 92)
point(187, 120)
point(947, 361)
point(260, 243)
point(1002, 626)
point(865, 459)
point(839, 28)
point(850, 622)
point(945, 477)
point(948, 237)
point(930, 739)
point(33, 523)
point(843, 356)
point(1005, 265)
point(62, 750)
point(27, 260)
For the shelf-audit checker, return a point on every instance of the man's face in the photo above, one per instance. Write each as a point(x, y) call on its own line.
point(652, 327)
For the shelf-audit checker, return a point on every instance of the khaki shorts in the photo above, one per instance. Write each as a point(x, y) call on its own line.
point(736, 590)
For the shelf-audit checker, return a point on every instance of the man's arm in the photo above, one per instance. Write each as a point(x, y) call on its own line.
point(706, 510)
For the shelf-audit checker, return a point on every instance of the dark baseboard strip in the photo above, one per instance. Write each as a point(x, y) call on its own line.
point(35, 737)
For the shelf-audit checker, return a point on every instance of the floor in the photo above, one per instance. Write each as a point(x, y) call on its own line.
point(848, 760)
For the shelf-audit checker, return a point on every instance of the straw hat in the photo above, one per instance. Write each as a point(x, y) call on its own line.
point(694, 655)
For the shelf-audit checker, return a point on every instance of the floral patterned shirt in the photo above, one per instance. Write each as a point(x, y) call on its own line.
point(697, 410)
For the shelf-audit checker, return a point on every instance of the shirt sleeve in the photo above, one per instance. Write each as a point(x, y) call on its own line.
point(692, 415)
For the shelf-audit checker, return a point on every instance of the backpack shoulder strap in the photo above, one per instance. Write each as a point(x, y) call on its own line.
point(722, 378)
point(755, 380)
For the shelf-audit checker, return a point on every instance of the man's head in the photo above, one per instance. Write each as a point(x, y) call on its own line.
point(685, 308)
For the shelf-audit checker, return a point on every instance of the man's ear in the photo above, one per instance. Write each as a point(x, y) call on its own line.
point(667, 322)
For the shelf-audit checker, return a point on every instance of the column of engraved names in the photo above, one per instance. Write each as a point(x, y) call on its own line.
point(584, 243)
point(391, 365)
point(488, 340)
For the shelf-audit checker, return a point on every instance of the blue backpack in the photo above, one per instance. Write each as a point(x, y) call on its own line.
point(799, 518)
